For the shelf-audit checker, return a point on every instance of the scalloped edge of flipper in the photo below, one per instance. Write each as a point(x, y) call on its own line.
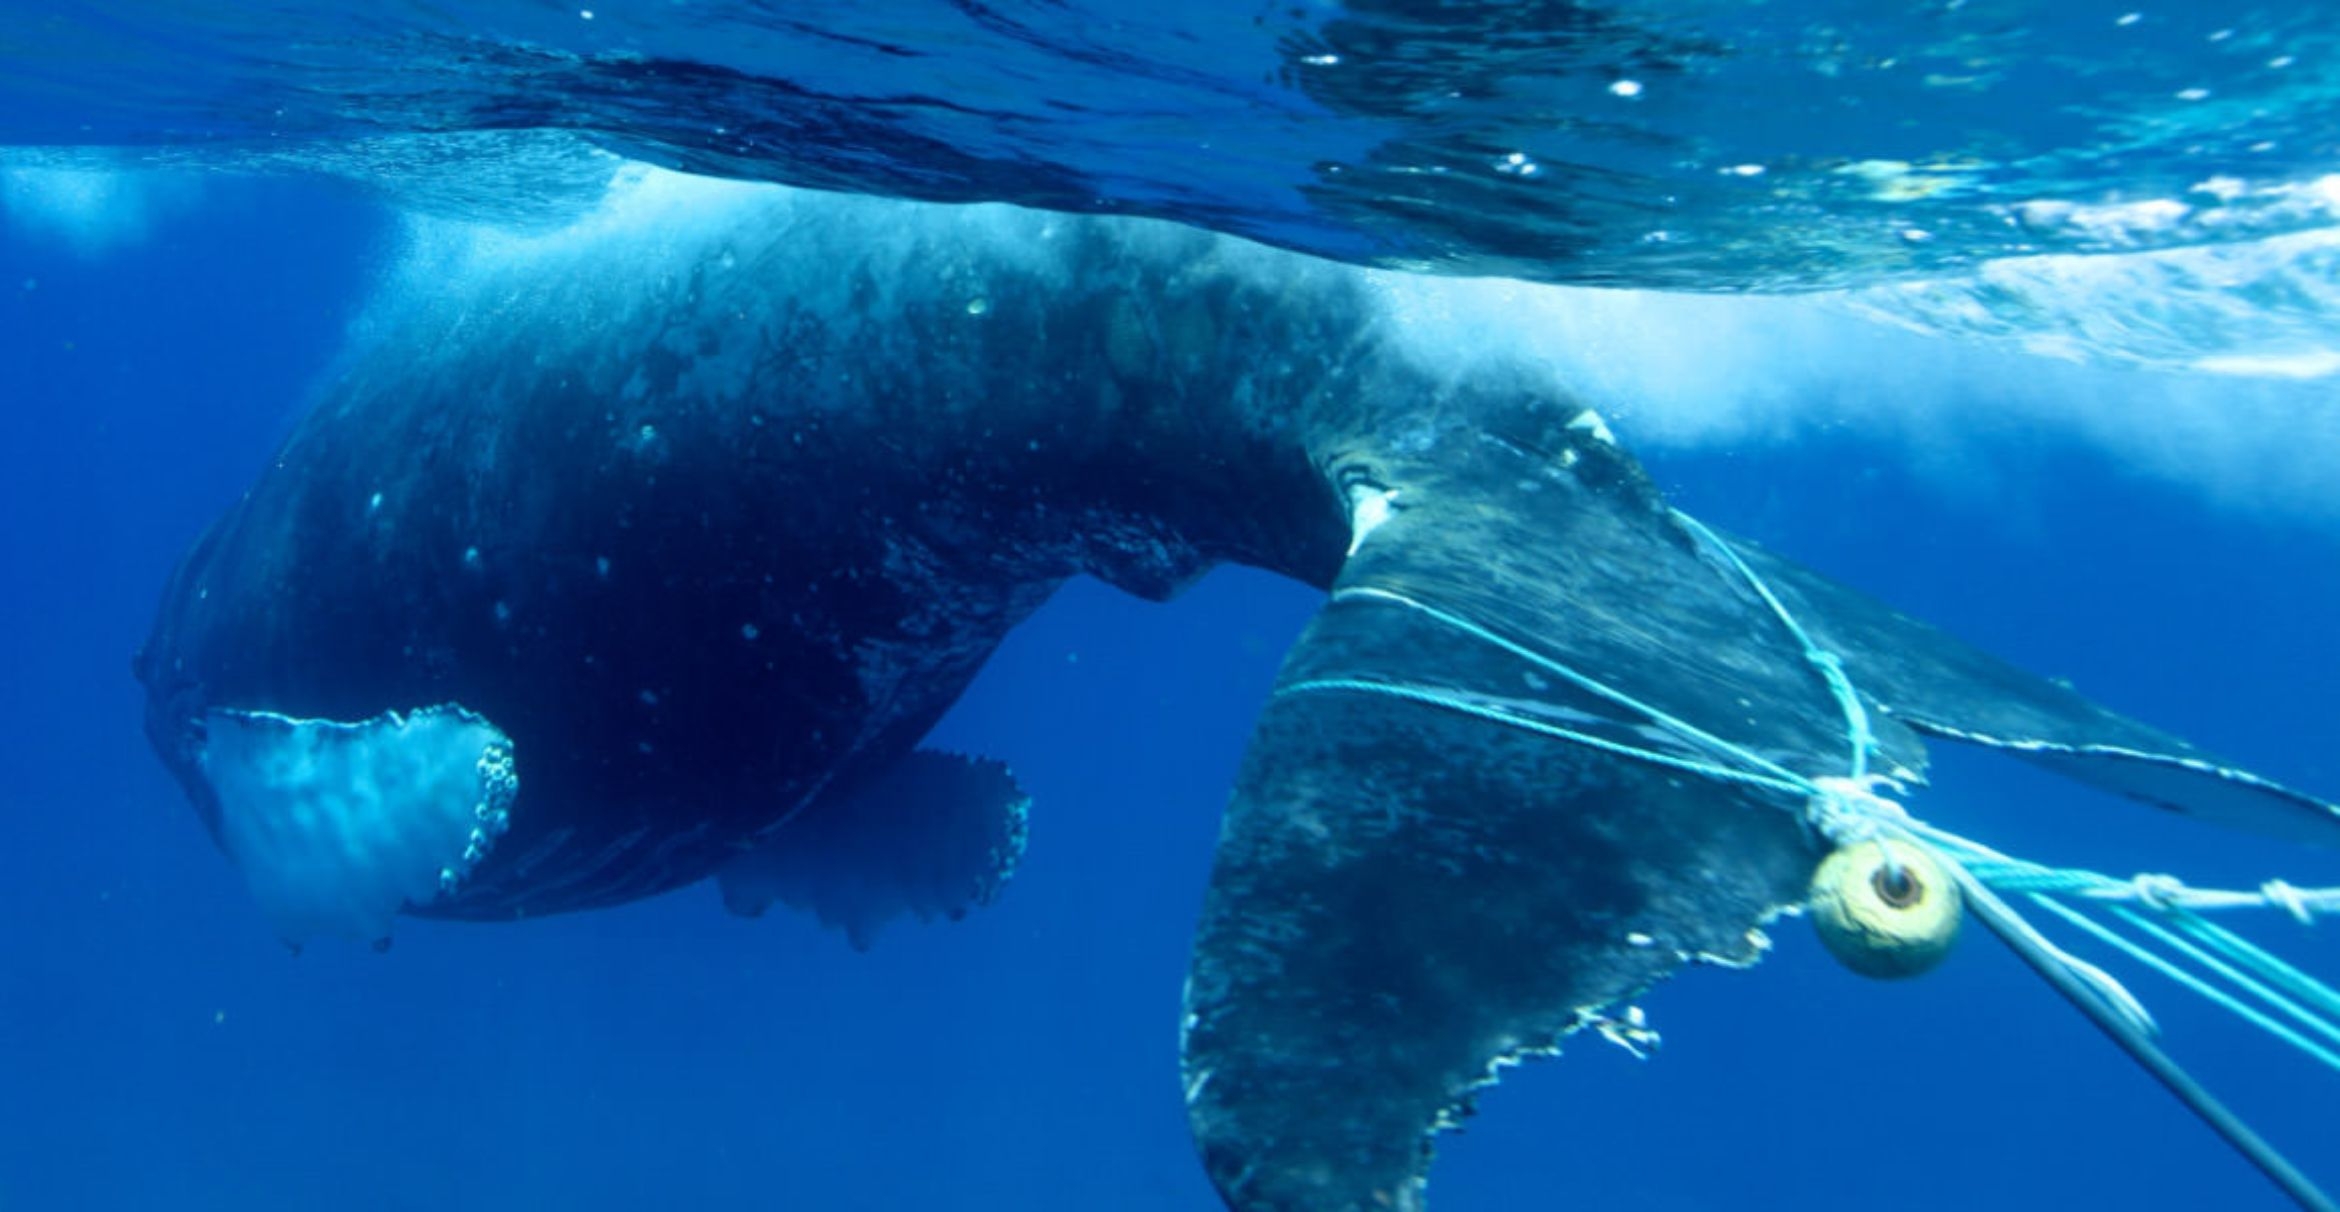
point(1406, 901)
point(933, 835)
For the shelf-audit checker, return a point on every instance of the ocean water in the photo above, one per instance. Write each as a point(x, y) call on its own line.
point(2054, 470)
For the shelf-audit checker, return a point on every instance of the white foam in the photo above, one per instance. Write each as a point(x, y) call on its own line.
point(2248, 428)
point(2256, 309)
point(2297, 364)
point(92, 211)
point(653, 220)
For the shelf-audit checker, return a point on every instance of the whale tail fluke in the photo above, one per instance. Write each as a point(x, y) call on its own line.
point(1549, 743)
point(1443, 856)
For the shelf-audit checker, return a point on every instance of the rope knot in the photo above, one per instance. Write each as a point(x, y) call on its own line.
point(2160, 892)
point(2289, 899)
point(1847, 811)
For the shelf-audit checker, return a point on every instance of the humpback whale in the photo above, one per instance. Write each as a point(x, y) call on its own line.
point(617, 565)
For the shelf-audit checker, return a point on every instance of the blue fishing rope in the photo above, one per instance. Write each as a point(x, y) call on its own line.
point(1458, 702)
point(1831, 667)
point(1671, 723)
point(1857, 726)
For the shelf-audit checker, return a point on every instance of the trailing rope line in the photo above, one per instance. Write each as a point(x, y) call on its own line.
point(2163, 891)
point(1831, 667)
point(1848, 811)
point(1730, 753)
point(1472, 705)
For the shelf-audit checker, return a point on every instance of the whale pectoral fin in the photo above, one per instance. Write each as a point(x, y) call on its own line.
point(339, 826)
point(1405, 898)
point(1941, 687)
point(933, 836)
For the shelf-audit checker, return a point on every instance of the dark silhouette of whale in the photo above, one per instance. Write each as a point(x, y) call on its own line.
point(626, 560)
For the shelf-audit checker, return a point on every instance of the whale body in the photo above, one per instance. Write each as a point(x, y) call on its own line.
point(632, 559)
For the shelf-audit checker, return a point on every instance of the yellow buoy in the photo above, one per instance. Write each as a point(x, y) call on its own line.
point(1885, 908)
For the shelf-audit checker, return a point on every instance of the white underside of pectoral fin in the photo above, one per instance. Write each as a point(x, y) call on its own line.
point(339, 826)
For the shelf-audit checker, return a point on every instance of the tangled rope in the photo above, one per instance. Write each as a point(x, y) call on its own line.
point(2161, 910)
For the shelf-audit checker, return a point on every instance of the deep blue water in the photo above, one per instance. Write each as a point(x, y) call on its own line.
point(158, 1049)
